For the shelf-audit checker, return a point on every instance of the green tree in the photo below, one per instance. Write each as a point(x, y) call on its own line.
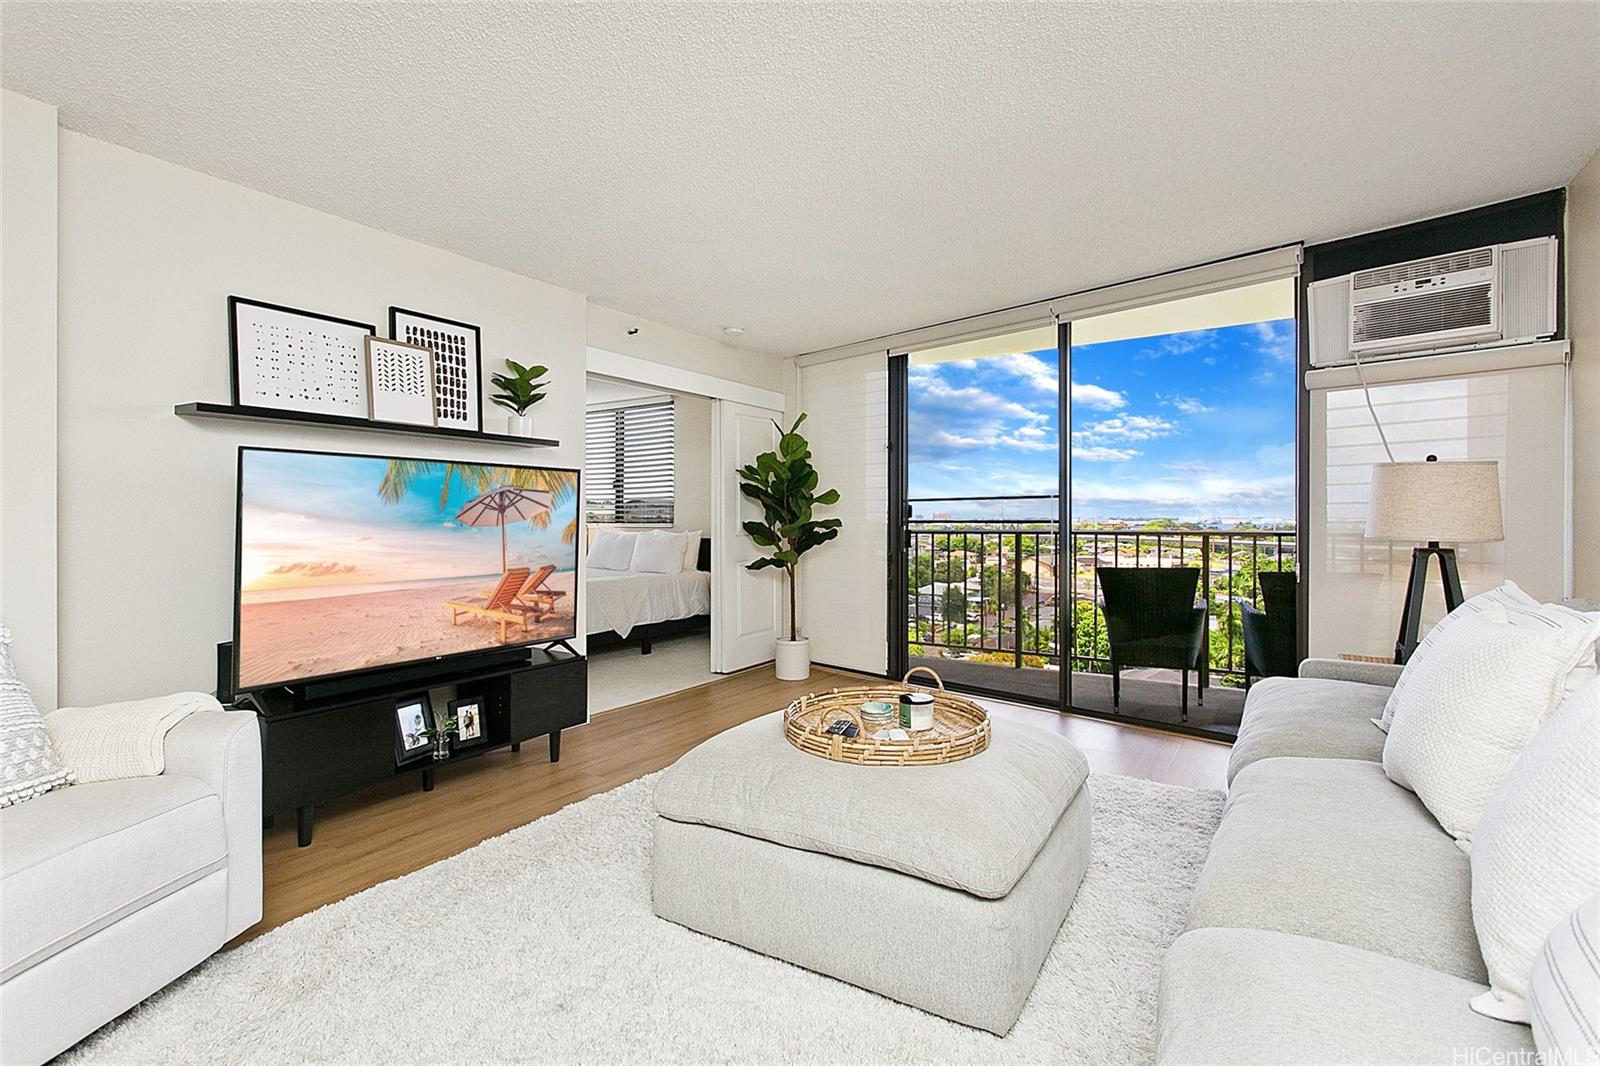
point(954, 603)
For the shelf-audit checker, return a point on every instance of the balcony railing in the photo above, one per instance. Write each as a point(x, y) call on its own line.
point(974, 584)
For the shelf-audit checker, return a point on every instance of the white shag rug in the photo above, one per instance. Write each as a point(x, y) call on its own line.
point(540, 946)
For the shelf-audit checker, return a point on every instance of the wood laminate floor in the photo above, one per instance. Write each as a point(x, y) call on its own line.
point(393, 829)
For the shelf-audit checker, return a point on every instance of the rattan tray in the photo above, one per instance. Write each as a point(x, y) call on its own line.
point(960, 727)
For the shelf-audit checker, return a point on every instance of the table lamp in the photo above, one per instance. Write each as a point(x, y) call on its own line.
point(1432, 501)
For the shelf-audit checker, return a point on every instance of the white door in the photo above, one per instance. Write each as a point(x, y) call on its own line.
point(745, 604)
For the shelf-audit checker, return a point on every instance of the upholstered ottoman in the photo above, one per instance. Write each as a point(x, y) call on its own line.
point(939, 886)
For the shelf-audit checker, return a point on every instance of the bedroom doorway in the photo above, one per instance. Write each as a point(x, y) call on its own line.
point(647, 510)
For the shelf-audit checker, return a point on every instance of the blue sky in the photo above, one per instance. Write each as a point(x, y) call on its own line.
point(315, 520)
point(1195, 425)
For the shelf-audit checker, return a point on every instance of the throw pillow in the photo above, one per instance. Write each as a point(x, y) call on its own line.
point(691, 549)
point(1475, 702)
point(28, 763)
point(1507, 595)
point(1536, 853)
point(611, 550)
point(658, 553)
point(1564, 994)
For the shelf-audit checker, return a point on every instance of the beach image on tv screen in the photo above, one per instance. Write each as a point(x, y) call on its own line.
point(352, 563)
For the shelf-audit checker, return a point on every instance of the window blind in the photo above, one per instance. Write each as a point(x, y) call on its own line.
point(1509, 406)
point(628, 461)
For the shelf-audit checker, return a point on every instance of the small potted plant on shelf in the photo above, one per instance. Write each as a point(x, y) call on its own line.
point(440, 734)
point(519, 391)
point(784, 483)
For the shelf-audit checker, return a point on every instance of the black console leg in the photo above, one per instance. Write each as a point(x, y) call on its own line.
point(427, 780)
point(555, 746)
point(644, 647)
point(305, 823)
point(266, 821)
point(516, 746)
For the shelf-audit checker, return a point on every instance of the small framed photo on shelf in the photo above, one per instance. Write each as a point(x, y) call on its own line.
point(292, 360)
point(457, 364)
point(413, 717)
point(400, 382)
point(468, 713)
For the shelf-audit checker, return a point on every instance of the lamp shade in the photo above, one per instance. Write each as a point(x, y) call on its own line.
point(1455, 502)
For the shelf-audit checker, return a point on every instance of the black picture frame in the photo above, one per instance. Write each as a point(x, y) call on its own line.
point(480, 734)
point(235, 302)
point(408, 711)
point(475, 406)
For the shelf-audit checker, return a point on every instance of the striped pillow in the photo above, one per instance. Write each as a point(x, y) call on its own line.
point(1564, 995)
point(1536, 850)
point(28, 763)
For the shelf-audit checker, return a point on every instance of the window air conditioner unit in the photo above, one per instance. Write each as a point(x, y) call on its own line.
point(1497, 295)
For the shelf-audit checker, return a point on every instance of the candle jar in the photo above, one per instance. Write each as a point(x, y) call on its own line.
point(916, 711)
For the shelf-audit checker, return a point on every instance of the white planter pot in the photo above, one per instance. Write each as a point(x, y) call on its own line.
point(794, 659)
point(519, 425)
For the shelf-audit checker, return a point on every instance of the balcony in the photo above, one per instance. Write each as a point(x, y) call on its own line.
point(976, 587)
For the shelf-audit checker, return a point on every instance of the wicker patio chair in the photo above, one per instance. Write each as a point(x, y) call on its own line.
point(1153, 619)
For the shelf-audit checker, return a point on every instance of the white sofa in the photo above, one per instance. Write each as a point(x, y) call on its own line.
point(109, 891)
point(1332, 921)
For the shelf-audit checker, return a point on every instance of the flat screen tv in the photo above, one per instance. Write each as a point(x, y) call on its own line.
point(352, 563)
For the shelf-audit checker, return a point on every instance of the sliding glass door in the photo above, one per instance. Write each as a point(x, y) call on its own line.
point(1156, 442)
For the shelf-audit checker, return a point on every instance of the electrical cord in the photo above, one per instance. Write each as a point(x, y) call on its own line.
point(1366, 393)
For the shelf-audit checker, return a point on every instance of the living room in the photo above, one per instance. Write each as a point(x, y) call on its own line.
point(1092, 507)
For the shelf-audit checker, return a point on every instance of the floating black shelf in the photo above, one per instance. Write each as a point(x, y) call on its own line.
point(244, 413)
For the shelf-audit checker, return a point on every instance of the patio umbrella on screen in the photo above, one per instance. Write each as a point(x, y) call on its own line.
point(501, 507)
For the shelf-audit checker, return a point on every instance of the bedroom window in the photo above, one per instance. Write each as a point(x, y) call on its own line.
point(629, 453)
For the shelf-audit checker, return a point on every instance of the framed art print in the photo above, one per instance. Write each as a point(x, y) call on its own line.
point(457, 395)
point(413, 720)
point(295, 360)
point(468, 713)
point(399, 382)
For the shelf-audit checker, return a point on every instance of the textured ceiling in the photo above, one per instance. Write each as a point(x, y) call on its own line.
point(822, 173)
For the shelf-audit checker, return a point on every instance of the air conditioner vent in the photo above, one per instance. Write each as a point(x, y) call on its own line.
point(1456, 262)
point(1429, 312)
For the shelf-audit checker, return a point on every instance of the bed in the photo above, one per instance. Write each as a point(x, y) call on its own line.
point(625, 607)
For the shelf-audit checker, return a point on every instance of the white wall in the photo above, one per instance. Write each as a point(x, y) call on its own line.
point(844, 583)
point(149, 253)
point(608, 329)
point(691, 471)
point(1583, 328)
point(28, 388)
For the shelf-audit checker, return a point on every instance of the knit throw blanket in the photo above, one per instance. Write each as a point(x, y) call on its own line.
point(116, 740)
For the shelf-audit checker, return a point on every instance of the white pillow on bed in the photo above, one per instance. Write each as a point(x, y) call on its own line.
point(691, 549)
point(657, 553)
point(611, 550)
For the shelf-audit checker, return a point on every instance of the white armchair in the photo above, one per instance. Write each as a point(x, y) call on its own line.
point(109, 891)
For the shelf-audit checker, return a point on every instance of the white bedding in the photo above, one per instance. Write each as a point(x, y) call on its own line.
point(621, 599)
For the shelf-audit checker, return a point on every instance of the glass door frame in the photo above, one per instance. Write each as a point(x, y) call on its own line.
point(898, 616)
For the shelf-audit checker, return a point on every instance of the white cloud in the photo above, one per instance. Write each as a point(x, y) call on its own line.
point(970, 400)
point(1126, 428)
point(1099, 453)
point(1038, 373)
point(1181, 343)
point(1275, 340)
point(1097, 398)
point(1189, 405)
point(1204, 496)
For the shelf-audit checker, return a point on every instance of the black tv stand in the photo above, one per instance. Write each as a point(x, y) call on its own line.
point(318, 744)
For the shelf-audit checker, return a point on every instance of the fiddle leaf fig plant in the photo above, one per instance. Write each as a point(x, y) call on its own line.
point(520, 389)
point(784, 483)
